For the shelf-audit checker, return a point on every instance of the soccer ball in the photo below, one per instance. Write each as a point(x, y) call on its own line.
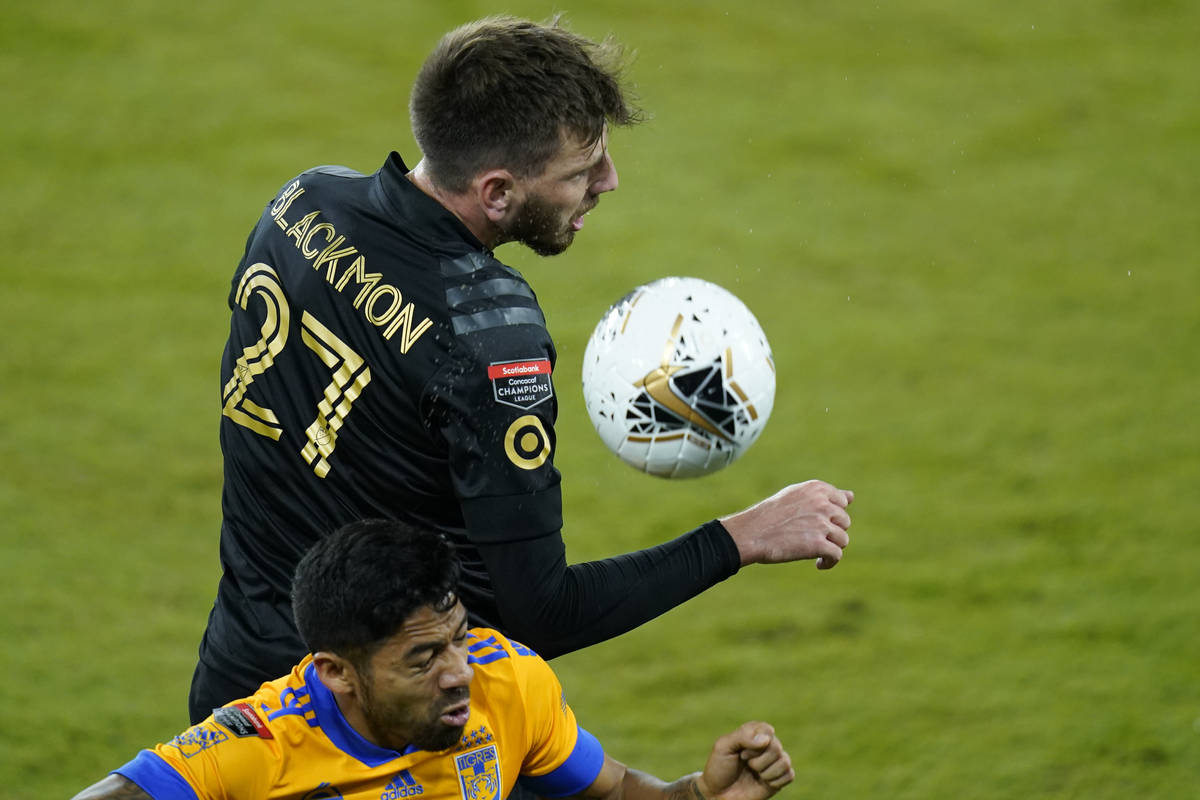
point(678, 378)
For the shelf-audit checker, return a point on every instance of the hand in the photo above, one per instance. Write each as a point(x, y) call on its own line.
point(802, 521)
point(748, 764)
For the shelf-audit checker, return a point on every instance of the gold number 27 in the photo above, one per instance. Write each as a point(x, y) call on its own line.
point(350, 372)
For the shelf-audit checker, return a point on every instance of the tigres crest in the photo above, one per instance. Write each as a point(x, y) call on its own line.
point(479, 774)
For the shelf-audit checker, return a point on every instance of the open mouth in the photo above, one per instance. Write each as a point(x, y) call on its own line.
point(577, 223)
point(457, 714)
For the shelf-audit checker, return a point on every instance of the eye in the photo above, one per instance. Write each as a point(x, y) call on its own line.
point(424, 659)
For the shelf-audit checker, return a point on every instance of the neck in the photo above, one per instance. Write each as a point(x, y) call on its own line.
point(356, 719)
point(460, 205)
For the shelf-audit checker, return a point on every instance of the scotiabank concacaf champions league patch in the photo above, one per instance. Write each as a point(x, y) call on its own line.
point(241, 720)
point(521, 384)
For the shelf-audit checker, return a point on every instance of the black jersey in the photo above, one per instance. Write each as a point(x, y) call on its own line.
point(382, 363)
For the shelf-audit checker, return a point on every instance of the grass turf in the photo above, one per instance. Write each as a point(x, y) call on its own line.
point(968, 230)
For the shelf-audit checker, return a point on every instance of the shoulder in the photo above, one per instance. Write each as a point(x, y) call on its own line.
point(489, 646)
point(503, 664)
point(321, 181)
point(513, 684)
point(524, 698)
point(248, 743)
point(494, 319)
point(492, 645)
point(333, 171)
point(233, 747)
point(326, 175)
point(493, 313)
point(483, 295)
point(257, 727)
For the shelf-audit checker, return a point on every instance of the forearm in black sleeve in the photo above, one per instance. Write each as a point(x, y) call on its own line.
point(555, 608)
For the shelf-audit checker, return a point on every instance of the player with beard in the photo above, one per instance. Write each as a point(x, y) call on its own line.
point(381, 362)
point(399, 698)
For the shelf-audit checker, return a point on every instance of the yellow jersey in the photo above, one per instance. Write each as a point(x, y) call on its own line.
point(290, 740)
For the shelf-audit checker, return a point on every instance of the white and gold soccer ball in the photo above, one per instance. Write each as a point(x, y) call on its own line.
point(678, 378)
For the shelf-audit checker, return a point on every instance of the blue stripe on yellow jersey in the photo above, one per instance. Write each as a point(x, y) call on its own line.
point(289, 739)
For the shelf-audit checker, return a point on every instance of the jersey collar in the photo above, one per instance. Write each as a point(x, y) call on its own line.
point(416, 210)
point(339, 731)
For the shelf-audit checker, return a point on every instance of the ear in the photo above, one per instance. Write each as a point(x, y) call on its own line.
point(338, 674)
point(497, 193)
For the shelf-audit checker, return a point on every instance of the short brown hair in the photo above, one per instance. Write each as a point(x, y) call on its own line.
point(502, 92)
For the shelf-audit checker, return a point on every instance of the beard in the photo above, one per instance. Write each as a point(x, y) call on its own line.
point(540, 226)
point(404, 727)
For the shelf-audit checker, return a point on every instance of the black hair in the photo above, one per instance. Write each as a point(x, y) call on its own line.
point(355, 588)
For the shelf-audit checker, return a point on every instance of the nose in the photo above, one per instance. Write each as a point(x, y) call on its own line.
point(458, 672)
point(607, 181)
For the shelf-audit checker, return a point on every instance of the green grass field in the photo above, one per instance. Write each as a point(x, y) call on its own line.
point(970, 231)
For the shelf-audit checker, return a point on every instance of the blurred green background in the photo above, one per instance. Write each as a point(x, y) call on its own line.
point(970, 231)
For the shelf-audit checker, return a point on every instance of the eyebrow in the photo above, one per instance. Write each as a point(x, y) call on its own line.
point(591, 163)
point(601, 155)
point(425, 647)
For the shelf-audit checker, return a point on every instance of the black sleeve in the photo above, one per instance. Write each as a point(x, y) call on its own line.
point(555, 608)
point(500, 443)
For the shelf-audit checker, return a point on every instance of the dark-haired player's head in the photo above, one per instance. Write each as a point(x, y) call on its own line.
point(376, 604)
point(355, 589)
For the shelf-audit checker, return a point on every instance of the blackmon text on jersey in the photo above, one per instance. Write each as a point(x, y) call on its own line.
point(381, 303)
